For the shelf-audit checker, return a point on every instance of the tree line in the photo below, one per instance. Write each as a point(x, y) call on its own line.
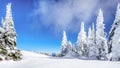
point(96, 46)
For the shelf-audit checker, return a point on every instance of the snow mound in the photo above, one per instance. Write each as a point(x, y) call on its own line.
point(71, 54)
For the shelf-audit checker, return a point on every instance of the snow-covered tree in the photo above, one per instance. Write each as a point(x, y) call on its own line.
point(8, 36)
point(81, 44)
point(101, 40)
point(92, 49)
point(90, 41)
point(8, 25)
point(66, 45)
point(114, 37)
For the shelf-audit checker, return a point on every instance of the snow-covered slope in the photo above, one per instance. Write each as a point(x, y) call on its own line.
point(33, 60)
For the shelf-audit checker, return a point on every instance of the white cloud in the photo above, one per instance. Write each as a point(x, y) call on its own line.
point(68, 14)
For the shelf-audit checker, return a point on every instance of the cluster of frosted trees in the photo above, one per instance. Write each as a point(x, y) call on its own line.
point(8, 50)
point(96, 45)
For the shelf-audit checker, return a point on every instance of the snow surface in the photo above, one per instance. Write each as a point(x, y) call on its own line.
point(33, 60)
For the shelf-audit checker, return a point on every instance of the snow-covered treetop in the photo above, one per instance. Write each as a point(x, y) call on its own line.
point(82, 34)
point(8, 22)
point(100, 17)
point(82, 28)
point(117, 18)
point(64, 40)
point(64, 35)
point(90, 33)
point(8, 10)
point(99, 24)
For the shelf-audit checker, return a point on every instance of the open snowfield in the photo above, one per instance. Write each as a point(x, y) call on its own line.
point(33, 60)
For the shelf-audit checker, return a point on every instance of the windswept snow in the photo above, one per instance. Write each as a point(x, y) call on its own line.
point(33, 60)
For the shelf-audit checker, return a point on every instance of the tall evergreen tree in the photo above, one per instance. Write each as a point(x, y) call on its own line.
point(8, 25)
point(81, 44)
point(92, 49)
point(114, 39)
point(101, 40)
point(8, 36)
point(64, 44)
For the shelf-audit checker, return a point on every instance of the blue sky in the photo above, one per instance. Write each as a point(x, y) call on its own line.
point(39, 23)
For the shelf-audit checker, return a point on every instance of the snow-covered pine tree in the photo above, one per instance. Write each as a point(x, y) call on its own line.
point(93, 51)
point(8, 25)
point(91, 44)
point(81, 44)
point(114, 38)
point(64, 44)
point(9, 35)
point(101, 40)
